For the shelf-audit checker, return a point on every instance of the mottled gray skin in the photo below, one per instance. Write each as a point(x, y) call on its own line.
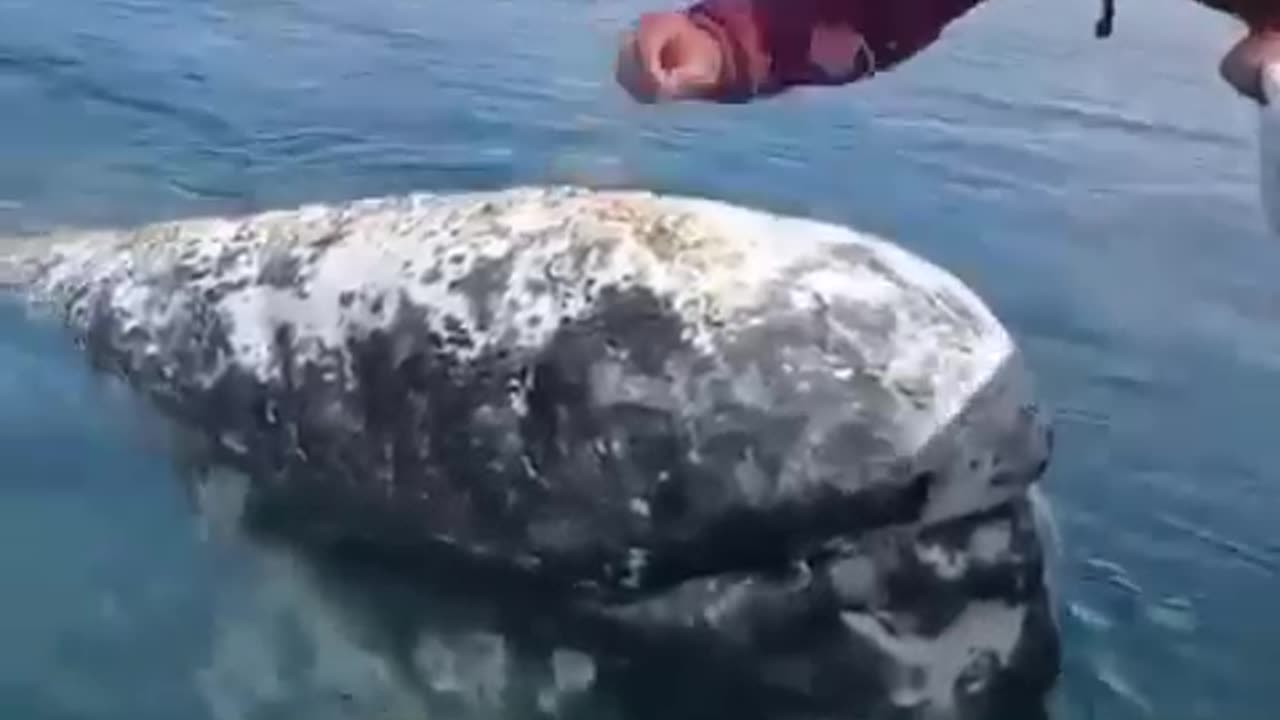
point(793, 452)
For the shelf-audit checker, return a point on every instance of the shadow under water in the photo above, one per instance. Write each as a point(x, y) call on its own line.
point(344, 630)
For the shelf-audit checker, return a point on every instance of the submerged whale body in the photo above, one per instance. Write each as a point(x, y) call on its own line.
point(791, 451)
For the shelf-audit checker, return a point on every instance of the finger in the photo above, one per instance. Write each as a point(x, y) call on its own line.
point(1243, 66)
point(684, 82)
point(630, 72)
point(652, 40)
point(1239, 72)
point(668, 69)
point(695, 73)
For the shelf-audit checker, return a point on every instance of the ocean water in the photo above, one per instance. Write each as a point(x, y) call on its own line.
point(1100, 195)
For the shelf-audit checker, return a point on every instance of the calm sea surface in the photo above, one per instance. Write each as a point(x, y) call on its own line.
point(1100, 195)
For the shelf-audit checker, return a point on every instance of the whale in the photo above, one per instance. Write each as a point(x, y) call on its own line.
point(758, 443)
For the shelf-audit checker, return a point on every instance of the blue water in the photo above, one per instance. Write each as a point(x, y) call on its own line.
point(1100, 195)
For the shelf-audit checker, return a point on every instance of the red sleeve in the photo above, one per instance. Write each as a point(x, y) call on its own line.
point(771, 45)
point(1259, 14)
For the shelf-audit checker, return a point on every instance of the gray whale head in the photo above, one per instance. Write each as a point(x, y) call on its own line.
point(692, 419)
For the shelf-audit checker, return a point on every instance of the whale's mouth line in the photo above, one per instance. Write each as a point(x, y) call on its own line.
point(721, 625)
point(768, 542)
point(627, 649)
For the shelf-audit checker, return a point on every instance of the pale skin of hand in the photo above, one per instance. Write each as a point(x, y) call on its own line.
point(1242, 66)
point(668, 57)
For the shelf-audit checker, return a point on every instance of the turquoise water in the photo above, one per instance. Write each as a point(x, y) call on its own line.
point(1101, 196)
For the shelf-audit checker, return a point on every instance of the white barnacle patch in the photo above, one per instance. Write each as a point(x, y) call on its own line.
point(844, 374)
point(474, 665)
point(934, 667)
point(989, 543)
point(573, 671)
point(637, 563)
point(726, 603)
point(855, 580)
point(947, 564)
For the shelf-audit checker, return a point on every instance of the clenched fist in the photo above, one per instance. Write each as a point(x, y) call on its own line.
point(669, 57)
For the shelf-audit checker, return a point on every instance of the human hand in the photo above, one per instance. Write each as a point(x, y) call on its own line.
point(668, 57)
point(1242, 67)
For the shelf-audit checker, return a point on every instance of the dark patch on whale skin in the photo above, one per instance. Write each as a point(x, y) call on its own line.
point(431, 275)
point(483, 286)
point(281, 270)
point(412, 420)
point(229, 258)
